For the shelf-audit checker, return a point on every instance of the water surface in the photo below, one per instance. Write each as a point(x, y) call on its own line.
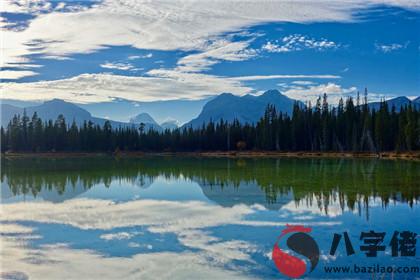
point(131, 218)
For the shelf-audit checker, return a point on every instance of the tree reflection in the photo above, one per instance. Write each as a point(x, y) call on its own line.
point(348, 182)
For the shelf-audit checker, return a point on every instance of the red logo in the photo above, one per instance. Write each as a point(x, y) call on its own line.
point(299, 241)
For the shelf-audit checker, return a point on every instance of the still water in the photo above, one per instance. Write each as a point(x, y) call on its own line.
point(195, 218)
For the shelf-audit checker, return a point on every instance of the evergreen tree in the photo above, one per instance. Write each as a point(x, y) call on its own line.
point(344, 128)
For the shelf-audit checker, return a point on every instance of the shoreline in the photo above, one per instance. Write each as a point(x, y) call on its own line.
point(232, 154)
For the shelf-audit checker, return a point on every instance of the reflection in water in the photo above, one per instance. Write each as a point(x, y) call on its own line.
point(270, 182)
point(193, 218)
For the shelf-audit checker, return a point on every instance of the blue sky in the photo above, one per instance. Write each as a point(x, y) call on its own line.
point(97, 51)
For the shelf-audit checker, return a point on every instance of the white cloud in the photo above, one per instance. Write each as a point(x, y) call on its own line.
point(170, 25)
point(187, 220)
point(160, 84)
point(14, 228)
point(210, 257)
point(14, 75)
point(198, 26)
point(26, 66)
point(269, 77)
point(36, 7)
point(160, 216)
point(60, 6)
point(117, 66)
point(62, 262)
point(391, 47)
point(303, 83)
point(132, 57)
point(143, 25)
point(117, 236)
point(219, 50)
point(282, 85)
point(273, 47)
point(298, 42)
point(57, 57)
point(312, 92)
point(25, 6)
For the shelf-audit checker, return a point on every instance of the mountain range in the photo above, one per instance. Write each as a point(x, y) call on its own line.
point(246, 109)
point(226, 106)
point(123, 110)
point(50, 110)
point(396, 102)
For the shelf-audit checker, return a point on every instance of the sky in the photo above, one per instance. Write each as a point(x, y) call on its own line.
point(100, 51)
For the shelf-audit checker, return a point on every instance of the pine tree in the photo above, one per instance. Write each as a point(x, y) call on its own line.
point(344, 128)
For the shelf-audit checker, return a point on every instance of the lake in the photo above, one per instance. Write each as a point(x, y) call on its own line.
point(205, 218)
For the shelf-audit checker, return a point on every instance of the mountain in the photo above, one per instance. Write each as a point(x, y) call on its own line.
point(398, 102)
point(147, 120)
point(122, 110)
point(20, 103)
point(143, 118)
point(246, 109)
point(248, 193)
point(50, 110)
point(169, 124)
point(7, 113)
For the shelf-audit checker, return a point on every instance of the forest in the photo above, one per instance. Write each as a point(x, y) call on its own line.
point(348, 127)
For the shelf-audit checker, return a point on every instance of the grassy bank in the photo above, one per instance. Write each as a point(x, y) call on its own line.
point(249, 154)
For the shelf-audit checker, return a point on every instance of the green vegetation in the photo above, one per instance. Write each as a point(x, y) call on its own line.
point(348, 127)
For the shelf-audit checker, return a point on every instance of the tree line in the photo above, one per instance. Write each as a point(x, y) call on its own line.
point(348, 127)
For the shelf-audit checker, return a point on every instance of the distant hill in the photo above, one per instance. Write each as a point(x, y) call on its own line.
point(398, 102)
point(169, 124)
point(20, 103)
point(7, 113)
point(246, 109)
point(50, 110)
point(147, 120)
point(248, 193)
point(143, 118)
point(122, 110)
